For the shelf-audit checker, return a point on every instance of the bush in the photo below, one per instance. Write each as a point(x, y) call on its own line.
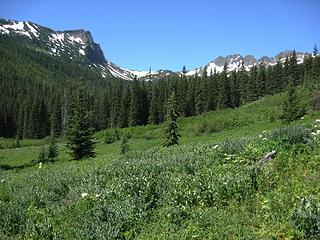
point(124, 147)
point(111, 136)
point(306, 217)
point(315, 101)
point(292, 135)
point(234, 146)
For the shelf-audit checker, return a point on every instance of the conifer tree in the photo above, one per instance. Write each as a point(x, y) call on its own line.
point(315, 71)
point(294, 72)
point(124, 146)
point(79, 131)
point(292, 108)
point(199, 98)
point(184, 70)
point(125, 104)
point(52, 149)
point(134, 104)
point(153, 110)
point(171, 130)
point(224, 89)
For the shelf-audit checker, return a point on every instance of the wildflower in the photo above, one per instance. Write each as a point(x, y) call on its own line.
point(302, 118)
point(83, 195)
point(214, 147)
point(40, 164)
point(2, 180)
point(260, 136)
point(318, 131)
point(228, 158)
point(313, 133)
point(264, 138)
point(264, 131)
point(98, 195)
point(317, 120)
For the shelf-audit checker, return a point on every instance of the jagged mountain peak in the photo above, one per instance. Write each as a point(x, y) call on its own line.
point(234, 62)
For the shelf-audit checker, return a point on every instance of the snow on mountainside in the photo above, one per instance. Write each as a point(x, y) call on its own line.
point(234, 62)
point(76, 45)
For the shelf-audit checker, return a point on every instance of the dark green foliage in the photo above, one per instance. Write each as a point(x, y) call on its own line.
point(52, 149)
point(171, 130)
point(124, 146)
point(315, 101)
point(35, 91)
point(292, 107)
point(111, 136)
point(17, 144)
point(292, 135)
point(306, 217)
point(80, 132)
point(42, 156)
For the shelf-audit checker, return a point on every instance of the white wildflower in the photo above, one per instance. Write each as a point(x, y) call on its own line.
point(313, 133)
point(214, 147)
point(98, 195)
point(317, 120)
point(302, 118)
point(318, 131)
point(265, 131)
point(83, 195)
point(264, 138)
point(228, 158)
point(40, 164)
point(260, 136)
point(2, 180)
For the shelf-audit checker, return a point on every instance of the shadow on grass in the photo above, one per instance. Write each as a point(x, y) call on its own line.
point(6, 167)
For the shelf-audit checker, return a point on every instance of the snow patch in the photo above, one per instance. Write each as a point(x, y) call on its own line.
point(57, 37)
point(81, 51)
point(75, 39)
point(33, 30)
point(139, 74)
point(4, 30)
point(17, 26)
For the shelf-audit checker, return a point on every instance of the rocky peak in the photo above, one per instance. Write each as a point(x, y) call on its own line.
point(85, 36)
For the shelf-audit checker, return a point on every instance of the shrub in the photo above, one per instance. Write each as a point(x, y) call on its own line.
point(315, 101)
point(42, 156)
point(306, 217)
point(124, 147)
point(111, 136)
point(234, 146)
point(292, 135)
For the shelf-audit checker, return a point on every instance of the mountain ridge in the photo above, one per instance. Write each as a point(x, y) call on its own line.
point(78, 45)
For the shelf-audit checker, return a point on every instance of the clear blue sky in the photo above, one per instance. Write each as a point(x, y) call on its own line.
point(167, 34)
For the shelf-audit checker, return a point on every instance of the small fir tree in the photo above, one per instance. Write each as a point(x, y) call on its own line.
point(124, 147)
point(172, 126)
point(292, 108)
point(52, 149)
point(17, 144)
point(42, 156)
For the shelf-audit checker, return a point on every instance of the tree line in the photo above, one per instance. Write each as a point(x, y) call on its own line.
point(36, 92)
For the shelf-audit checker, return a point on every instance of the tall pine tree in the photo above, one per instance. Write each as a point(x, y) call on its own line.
point(79, 130)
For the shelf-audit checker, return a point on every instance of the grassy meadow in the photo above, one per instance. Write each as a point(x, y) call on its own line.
point(211, 186)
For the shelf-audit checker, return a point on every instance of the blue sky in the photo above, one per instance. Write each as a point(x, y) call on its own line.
point(168, 34)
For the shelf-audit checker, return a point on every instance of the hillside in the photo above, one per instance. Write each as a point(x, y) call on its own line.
point(211, 187)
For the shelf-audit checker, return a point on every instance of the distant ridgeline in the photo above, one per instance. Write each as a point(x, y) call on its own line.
point(37, 82)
